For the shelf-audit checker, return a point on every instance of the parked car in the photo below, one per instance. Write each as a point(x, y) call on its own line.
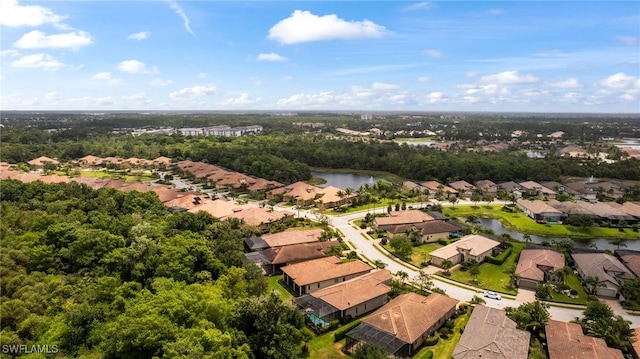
point(492, 295)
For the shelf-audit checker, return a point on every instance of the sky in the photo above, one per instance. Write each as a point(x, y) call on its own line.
point(505, 56)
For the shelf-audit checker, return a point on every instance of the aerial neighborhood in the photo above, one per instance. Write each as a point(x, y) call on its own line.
point(400, 266)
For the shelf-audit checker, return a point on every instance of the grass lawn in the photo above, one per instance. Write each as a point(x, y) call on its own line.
point(323, 347)
point(521, 223)
point(574, 282)
point(444, 348)
point(278, 288)
point(374, 208)
point(128, 176)
point(421, 253)
point(492, 277)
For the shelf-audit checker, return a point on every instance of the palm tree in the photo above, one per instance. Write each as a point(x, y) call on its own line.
point(526, 237)
point(446, 265)
point(593, 283)
point(403, 276)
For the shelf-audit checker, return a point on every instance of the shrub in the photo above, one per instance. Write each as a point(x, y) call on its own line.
point(573, 292)
point(341, 333)
point(384, 241)
point(501, 258)
point(449, 324)
point(334, 324)
point(363, 225)
point(432, 340)
point(444, 332)
point(428, 355)
point(443, 241)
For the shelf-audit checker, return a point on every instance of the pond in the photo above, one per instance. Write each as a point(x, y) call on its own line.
point(600, 243)
point(344, 180)
point(415, 142)
point(630, 142)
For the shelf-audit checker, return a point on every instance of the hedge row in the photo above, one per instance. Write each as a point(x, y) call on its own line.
point(499, 260)
point(341, 332)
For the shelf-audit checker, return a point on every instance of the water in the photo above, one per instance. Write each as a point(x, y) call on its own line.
point(535, 154)
point(628, 142)
point(415, 142)
point(600, 243)
point(344, 180)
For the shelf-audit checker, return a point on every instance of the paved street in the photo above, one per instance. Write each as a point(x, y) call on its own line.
point(368, 249)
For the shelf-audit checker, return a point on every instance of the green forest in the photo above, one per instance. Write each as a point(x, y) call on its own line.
point(287, 157)
point(108, 274)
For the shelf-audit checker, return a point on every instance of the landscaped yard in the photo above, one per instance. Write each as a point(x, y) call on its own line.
point(444, 348)
point(521, 223)
point(574, 282)
point(492, 277)
point(127, 176)
point(278, 288)
point(323, 347)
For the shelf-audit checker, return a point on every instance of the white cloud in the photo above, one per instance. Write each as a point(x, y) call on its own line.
point(161, 82)
point(44, 61)
point(630, 95)
point(434, 53)
point(136, 67)
point(106, 76)
point(436, 97)
point(191, 92)
point(39, 40)
point(9, 52)
point(139, 35)
point(243, 99)
point(424, 79)
point(105, 101)
point(139, 96)
point(495, 11)
point(568, 83)
point(202, 75)
point(384, 87)
point(271, 57)
point(185, 19)
point(13, 15)
point(471, 74)
point(52, 96)
point(303, 26)
point(620, 81)
point(287, 78)
point(628, 40)
point(509, 78)
point(425, 5)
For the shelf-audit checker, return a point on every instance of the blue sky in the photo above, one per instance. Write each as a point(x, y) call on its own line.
point(544, 56)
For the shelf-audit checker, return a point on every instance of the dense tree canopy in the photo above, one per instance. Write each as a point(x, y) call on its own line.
point(113, 274)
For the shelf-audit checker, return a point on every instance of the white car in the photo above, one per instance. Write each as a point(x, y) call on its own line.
point(492, 295)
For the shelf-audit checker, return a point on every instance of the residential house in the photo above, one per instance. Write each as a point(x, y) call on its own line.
point(437, 190)
point(218, 208)
point(607, 213)
point(39, 163)
point(353, 297)
point(573, 150)
point(537, 266)
point(567, 341)
point(559, 188)
point(491, 334)
point(630, 208)
point(487, 187)
point(286, 238)
point(272, 259)
point(308, 276)
point(635, 346)
point(630, 258)
point(299, 192)
point(607, 189)
point(572, 209)
point(539, 210)
point(90, 160)
point(259, 217)
point(331, 197)
point(609, 271)
point(395, 218)
point(428, 231)
point(535, 189)
point(464, 188)
point(412, 186)
point(584, 191)
point(402, 325)
point(162, 162)
point(512, 188)
point(473, 246)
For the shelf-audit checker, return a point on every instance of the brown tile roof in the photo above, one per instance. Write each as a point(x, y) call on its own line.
point(292, 236)
point(321, 269)
point(256, 216)
point(95, 183)
point(166, 194)
point(531, 185)
point(629, 208)
point(298, 252)
point(531, 260)
point(602, 265)
point(299, 190)
point(476, 243)
point(32, 177)
point(632, 260)
point(330, 194)
point(218, 208)
point(410, 315)
point(603, 210)
point(356, 290)
point(402, 217)
point(262, 184)
point(91, 160)
point(462, 185)
point(162, 161)
point(635, 346)
point(427, 227)
point(433, 187)
point(537, 206)
point(486, 185)
point(567, 341)
point(40, 161)
point(490, 334)
point(570, 208)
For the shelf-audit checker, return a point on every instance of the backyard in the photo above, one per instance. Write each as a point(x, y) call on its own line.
point(323, 347)
point(572, 281)
point(420, 253)
point(517, 221)
point(275, 286)
point(492, 277)
point(444, 348)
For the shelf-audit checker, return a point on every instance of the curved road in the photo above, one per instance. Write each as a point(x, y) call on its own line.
point(369, 249)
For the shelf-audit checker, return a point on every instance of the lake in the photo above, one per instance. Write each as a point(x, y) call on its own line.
point(601, 243)
point(415, 142)
point(630, 142)
point(344, 180)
